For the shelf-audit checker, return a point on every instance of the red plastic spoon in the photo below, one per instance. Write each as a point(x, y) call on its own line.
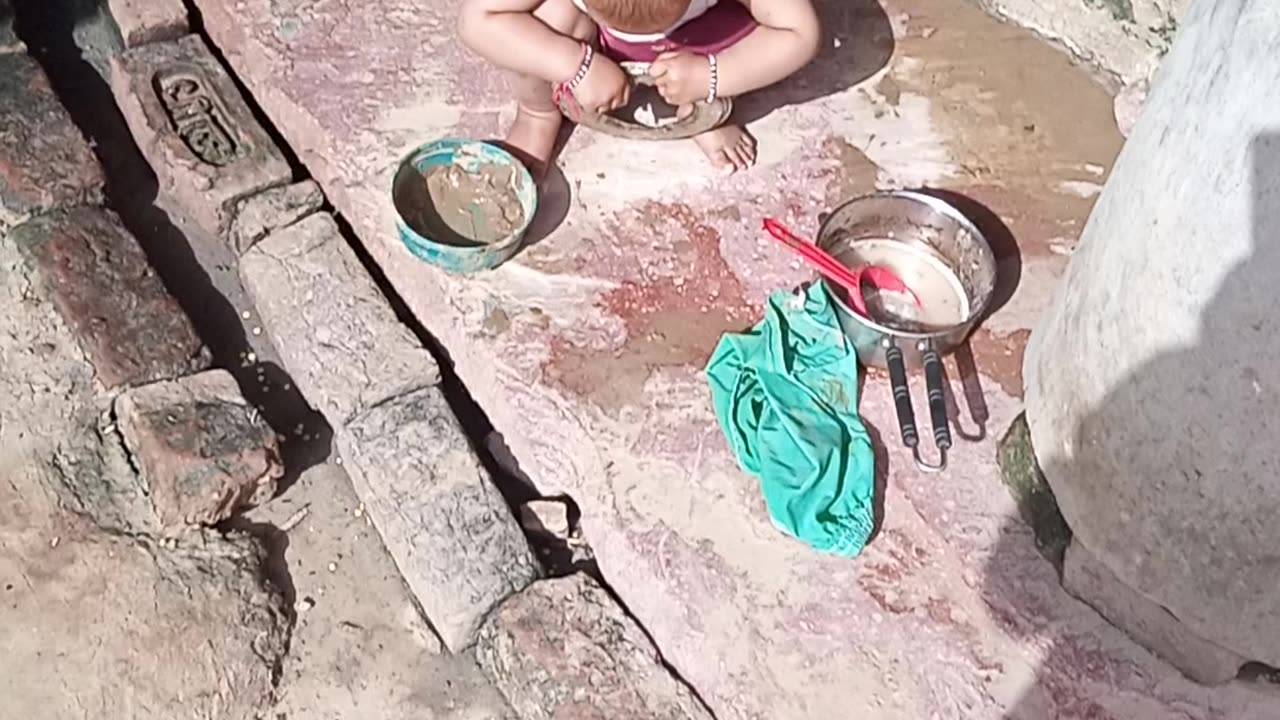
point(881, 278)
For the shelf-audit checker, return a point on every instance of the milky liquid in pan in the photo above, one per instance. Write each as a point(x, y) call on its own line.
point(943, 302)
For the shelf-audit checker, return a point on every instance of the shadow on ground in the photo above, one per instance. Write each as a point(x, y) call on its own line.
point(1016, 575)
point(857, 43)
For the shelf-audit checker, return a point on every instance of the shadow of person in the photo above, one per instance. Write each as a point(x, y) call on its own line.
point(857, 43)
point(1174, 471)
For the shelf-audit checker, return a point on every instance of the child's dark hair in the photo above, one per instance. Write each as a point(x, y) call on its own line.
point(638, 16)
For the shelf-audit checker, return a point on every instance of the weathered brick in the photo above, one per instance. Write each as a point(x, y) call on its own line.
point(189, 120)
point(148, 21)
point(45, 162)
point(202, 450)
point(564, 648)
point(336, 333)
point(97, 276)
point(451, 533)
point(260, 215)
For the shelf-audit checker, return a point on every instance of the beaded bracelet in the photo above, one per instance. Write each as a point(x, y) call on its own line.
point(714, 81)
point(588, 54)
point(564, 90)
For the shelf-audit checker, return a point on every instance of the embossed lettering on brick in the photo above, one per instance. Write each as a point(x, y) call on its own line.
point(190, 121)
point(198, 115)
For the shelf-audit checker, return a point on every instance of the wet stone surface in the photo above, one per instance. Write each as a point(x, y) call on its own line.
point(97, 276)
point(201, 449)
point(45, 162)
point(586, 351)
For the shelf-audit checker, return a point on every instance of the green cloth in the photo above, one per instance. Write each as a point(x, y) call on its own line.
point(786, 396)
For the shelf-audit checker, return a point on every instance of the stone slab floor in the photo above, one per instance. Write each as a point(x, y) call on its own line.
point(586, 352)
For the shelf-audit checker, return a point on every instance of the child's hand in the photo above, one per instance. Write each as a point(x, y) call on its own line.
point(606, 87)
point(682, 78)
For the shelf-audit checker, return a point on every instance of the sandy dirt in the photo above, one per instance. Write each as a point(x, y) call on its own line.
point(360, 646)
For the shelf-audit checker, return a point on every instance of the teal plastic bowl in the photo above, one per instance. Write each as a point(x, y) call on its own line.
point(450, 251)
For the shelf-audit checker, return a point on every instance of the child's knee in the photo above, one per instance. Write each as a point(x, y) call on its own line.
point(472, 19)
point(564, 17)
point(812, 45)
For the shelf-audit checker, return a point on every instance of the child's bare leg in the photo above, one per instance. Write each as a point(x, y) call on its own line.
point(536, 128)
point(730, 148)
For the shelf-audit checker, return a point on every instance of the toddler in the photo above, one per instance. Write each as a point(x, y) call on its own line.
point(698, 50)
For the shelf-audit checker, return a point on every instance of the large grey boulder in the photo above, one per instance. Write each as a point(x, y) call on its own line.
point(1152, 379)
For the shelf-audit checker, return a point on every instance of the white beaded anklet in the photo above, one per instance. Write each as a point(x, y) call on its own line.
point(588, 54)
point(714, 81)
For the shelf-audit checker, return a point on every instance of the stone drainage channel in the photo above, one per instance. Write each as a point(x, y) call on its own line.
point(288, 303)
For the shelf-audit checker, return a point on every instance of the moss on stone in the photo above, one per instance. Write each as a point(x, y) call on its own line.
point(1031, 491)
point(1121, 10)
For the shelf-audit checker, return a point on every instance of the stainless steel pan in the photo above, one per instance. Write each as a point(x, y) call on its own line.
point(949, 264)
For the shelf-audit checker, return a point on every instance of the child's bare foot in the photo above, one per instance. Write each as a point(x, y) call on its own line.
point(729, 148)
point(533, 138)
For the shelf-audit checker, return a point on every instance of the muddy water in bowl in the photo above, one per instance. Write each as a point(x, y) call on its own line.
point(943, 302)
point(462, 205)
point(474, 206)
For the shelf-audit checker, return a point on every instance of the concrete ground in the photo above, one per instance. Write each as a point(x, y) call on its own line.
point(586, 350)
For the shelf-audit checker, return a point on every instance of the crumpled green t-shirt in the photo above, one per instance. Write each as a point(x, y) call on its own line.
point(786, 396)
